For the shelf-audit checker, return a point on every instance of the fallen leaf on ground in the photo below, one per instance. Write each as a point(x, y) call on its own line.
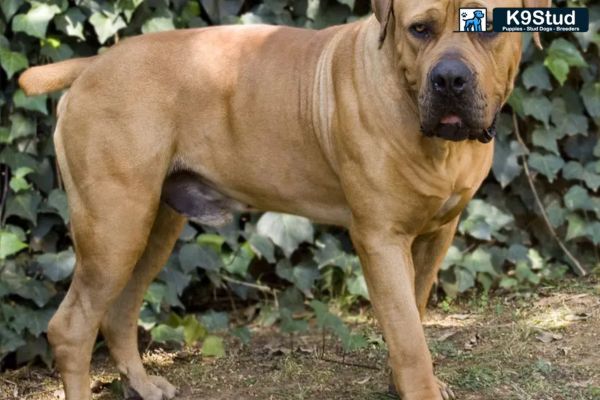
point(446, 335)
point(548, 337)
point(582, 316)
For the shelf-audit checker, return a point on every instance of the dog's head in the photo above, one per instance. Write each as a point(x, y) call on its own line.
point(478, 14)
point(459, 80)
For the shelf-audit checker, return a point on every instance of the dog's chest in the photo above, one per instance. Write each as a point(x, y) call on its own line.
point(452, 207)
point(457, 184)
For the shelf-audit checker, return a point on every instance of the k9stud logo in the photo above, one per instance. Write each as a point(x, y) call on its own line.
point(472, 20)
point(541, 19)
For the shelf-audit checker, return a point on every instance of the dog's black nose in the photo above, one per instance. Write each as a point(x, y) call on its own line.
point(451, 77)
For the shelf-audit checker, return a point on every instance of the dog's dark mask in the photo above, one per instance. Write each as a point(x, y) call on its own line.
point(452, 107)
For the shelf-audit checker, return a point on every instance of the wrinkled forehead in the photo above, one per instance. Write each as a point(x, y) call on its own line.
point(411, 10)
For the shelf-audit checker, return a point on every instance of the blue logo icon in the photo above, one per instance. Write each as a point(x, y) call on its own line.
point(473, 20)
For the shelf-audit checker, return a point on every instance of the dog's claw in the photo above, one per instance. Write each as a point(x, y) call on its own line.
point(445, 391)
point(156, 388)
point(169, 391)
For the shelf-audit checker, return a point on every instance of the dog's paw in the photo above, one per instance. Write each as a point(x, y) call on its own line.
point(155, 388)
point(169, 391)
point(445, 391)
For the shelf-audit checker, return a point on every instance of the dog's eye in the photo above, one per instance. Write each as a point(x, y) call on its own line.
point(420, 30)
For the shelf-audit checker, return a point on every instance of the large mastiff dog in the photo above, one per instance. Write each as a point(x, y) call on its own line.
point(382, 126)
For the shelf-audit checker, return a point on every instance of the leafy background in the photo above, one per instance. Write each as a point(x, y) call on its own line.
point(283, 264)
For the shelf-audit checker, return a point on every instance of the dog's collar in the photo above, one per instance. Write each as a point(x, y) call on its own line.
point(490, 133)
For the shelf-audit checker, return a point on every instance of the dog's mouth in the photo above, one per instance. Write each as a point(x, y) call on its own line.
point(454, 128)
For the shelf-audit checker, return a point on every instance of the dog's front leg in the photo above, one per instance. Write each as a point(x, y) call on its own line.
point(389, 272)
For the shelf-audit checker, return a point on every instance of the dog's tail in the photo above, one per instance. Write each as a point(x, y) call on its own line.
point(52, 77)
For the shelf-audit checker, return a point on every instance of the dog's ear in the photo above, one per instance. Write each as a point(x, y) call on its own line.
point(537, 4)
point(383, 12)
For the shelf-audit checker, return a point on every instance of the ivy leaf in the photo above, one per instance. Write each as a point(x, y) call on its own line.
point(263, 247)
point(57, 266)
point(577, 198)
point(194, 255)
point(24, 205)
point(524, 273)
point(590, 95)
point(304, 277)
point(5, 135)
point(213, 347)
point(517, 99)
point(9, 340)
point(55, 49)
point(465, 279)
point(536, 76)
point(215, 321)
point(31, 103)
point(538, 107)
point(506, 165)
point(35, 321)
point(286, 231)
point(12, 61)
point(238, 261)
point(556, 214)
point(558, 67)
point(548, 165)
point(106, 24)
point(18, 183)
point(128, 7)
point(565, 50)
point(289, 324)
point(547, 138)
point(193, 331)
point(242, 333)
point(175, 279)
point(453, 257)
point(593, 232)
point(155, 294)
point(164, 333)
point(592, 35)
point(284, 270)
point(357, 285)
point(35, 22)
point(575, 171)
point(21, 126)
point(10, 244)
point(562, 55)
point(9, 8)
point(479, 261)
point(71, 22)
point(161, 20)
point(576, 227)
point(329, 251)
point(57, 200)
point(567, 122)
point(483, 220)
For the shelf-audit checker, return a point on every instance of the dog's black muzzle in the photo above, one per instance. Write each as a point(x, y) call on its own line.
point(453, 109)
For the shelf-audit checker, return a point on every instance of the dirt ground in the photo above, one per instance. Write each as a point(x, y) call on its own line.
point(545, 347)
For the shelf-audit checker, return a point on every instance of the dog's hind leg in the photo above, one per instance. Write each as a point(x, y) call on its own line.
point(113, 185)
point(110, 230)
point(119, 325)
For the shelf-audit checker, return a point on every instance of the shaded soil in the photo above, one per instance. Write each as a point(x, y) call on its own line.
point(544, 347)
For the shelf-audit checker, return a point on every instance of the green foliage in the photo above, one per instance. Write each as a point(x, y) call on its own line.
point(502, 240)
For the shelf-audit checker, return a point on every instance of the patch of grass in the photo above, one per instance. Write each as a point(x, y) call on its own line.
point(477, 377)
